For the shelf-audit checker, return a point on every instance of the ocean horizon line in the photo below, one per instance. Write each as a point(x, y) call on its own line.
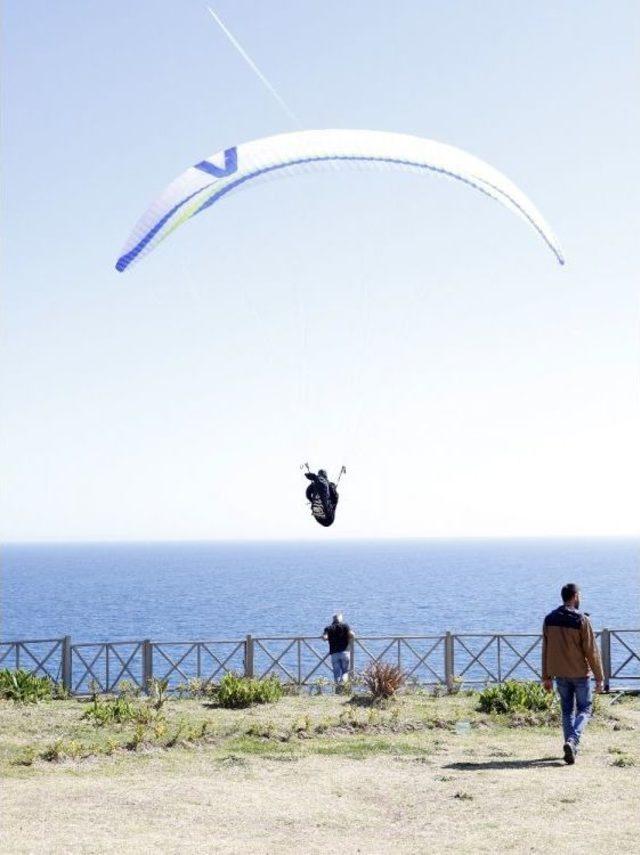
point(493, 538)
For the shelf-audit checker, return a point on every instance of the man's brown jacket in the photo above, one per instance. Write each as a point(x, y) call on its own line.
point(569, 647)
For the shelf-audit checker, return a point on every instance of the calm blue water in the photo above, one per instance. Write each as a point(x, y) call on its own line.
point(225, 590)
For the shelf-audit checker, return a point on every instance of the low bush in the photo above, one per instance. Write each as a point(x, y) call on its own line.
point(235, 692)
point(111, 711)
point(264, 730)
point(54, 751)
point(513, 696)
point(194, 688)
point(23, 687)
point(129, 689)
point(383, 679)
point(158, 689)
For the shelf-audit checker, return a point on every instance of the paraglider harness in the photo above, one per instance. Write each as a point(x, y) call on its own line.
point(322, 495)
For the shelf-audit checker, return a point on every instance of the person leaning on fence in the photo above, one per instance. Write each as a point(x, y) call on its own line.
point(570, 653)
point(339, 634)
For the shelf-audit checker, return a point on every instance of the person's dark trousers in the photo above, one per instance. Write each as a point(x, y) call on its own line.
point(577, 703)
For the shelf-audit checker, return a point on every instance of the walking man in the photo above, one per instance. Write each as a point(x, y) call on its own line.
point(570, 653)
point(339, 634)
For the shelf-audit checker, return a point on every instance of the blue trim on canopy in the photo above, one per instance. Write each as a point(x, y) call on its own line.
point(396, 162)
point(130, 256)
point(125, 260)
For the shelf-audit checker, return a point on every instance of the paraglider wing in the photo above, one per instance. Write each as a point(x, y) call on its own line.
point(202, 185)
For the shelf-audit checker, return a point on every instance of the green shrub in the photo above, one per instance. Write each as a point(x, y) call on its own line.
point(53, 752)
point(236, 692)
point(194, 688)
point(24, 687)
point(513, 696)
point(158, 692)
point(129, 689)
point(111, 711)
point(137, 739)
point(121, 710)
point(264, 730)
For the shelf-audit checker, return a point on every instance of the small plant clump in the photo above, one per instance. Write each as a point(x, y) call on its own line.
point(158, 692)
point(514, 697)
point(129, 689)
point(54, 751)
point(235, 692)
point(262, 731)
point(319, 686)
point(194, 688)
point(23, 687)
point(454, 686)
point(104, 712)
point(383, 679)
point(118, 710)
point(623, 760)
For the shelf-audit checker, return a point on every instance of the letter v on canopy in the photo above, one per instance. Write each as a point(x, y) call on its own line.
point(230, 164)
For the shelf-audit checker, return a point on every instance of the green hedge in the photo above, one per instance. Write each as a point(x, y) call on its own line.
point(236, 692)
point(513, 696)
point(24, 687)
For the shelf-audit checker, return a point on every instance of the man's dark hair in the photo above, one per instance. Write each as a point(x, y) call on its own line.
point(569, 591)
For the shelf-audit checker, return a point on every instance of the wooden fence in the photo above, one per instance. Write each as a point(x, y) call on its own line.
point(473, 659)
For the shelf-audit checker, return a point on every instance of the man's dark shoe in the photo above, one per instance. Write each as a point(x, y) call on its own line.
point(569, 753)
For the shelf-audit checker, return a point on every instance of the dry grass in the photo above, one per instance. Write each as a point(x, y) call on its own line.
point(311, 774)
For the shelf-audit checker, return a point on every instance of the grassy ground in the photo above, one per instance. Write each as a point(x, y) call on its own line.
point(309, 774)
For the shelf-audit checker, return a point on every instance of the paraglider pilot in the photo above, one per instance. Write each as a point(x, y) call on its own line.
point(323, 495)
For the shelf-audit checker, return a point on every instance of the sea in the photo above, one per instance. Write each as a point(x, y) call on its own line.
point(186, 591)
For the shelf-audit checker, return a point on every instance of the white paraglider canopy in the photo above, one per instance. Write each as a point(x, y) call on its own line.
point(209, 180)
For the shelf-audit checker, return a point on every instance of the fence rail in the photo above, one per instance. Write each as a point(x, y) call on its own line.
point(447, 658)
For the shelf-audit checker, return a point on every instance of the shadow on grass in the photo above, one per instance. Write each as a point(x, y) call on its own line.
point(364, 701)
point(505, 764)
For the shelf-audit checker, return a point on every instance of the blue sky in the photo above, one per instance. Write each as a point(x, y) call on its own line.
point(410, 327)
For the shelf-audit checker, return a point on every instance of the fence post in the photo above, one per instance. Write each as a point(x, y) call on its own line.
point(448, 660)
point(248, 656)
point(352, 658)
point(605, 654)
point(147, 664)
point(66, 664)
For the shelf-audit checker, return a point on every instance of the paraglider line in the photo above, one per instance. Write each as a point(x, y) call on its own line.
point(255, 68)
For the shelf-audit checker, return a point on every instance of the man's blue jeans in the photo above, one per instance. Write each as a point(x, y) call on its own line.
point(576, 703)
point(340, 665)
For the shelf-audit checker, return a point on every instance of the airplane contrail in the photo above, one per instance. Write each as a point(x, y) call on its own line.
point(254, 67)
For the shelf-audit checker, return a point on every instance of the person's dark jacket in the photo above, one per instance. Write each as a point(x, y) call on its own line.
point(326, 492)
point(320, 485)
point(569, 647)
point(338, 636)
